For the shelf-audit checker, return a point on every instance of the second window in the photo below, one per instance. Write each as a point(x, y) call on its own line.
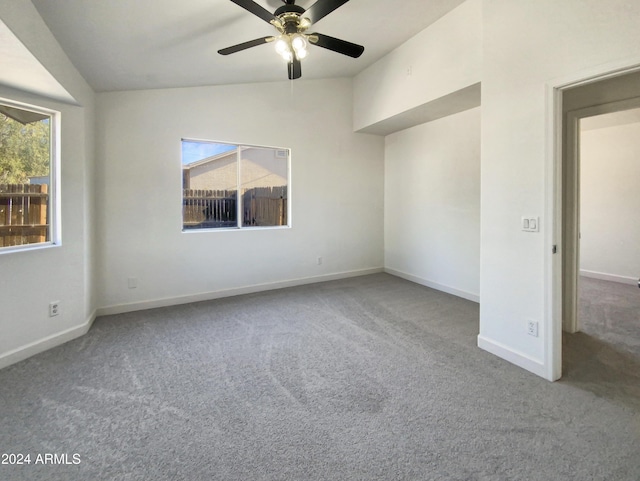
point(233, 186)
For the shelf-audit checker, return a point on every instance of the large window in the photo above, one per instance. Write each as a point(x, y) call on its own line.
point(27, 176)
point(233, 186)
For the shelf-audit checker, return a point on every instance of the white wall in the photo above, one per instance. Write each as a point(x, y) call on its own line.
point(609, 198)
point(528, 44)
point(432, 204)
point(336, 191)
point(29, 280)
point(444, 58)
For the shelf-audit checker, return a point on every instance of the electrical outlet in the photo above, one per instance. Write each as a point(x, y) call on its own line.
point(132, 282)
point(532, 328)
point(54, 308)
point(319, 261)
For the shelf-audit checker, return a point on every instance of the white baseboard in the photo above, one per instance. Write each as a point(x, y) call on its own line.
point(434, 285)
point(609, 277)
point(237, 291)
point(512, 356)
point(36, 347)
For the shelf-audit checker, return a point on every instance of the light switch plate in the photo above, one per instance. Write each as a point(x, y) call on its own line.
point(530, 224)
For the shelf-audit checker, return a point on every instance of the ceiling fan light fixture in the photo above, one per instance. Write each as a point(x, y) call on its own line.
point(287, 45)
point(292, 21)
point(283, 47)
point(299, 44)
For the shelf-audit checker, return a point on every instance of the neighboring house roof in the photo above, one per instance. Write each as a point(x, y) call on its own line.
point(261, 167)
point(258, 170)
point(212, 158)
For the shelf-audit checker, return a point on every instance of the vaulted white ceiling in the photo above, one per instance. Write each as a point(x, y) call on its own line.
point(146, 44)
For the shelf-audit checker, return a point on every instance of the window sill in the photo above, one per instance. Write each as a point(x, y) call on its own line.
point(236, 229)
point(28, 247)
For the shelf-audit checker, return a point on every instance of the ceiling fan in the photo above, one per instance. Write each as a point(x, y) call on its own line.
point(292, 21)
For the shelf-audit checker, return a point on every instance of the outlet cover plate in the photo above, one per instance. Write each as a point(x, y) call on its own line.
point(54, 308)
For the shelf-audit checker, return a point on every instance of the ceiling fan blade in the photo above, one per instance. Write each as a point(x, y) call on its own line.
point(245, 45)
point(322, 8)
point(337, 45)
point(295, 69)
point(257, 10)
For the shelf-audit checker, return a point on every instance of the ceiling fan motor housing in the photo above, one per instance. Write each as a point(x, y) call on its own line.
point(289, 8)
point(290, 15)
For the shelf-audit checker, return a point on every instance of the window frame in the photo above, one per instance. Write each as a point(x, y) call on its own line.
point(239, 223)
point(54, 201)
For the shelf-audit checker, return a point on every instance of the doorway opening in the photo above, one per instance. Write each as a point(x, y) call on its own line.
point(609, 251)
point(586, 106)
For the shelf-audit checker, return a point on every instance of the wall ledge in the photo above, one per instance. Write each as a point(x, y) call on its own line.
point(452, 103)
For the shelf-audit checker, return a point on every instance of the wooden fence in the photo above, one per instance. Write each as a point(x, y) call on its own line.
point(262, 206)
point(202, 209)
point(23, 214)
point(265, 206)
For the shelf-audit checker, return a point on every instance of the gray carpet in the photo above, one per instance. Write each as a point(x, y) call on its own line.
point(604, 358)
point(611, 311)
point(370, 378)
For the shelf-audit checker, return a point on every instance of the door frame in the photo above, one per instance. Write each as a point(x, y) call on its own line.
point(571, 210)
point(562, 207)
